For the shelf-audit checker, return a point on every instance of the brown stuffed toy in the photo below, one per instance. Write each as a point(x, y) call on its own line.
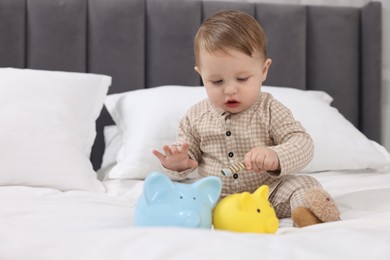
point(320, 208)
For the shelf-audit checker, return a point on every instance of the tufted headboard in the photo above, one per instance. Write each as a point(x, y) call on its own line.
point(147, 43)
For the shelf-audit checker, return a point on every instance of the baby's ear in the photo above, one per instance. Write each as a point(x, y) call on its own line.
point(265, 68)
point(196, 68)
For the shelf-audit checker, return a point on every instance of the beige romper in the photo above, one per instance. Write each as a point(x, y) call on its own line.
point(218, 139)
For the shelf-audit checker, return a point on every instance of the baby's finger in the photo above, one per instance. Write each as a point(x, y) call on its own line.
point(270, 164)
point(184, 148)
point(258, 171)
point(167, 150)
point(247, 161)
point(174, 149)
point(159, 155)
point(257, 162)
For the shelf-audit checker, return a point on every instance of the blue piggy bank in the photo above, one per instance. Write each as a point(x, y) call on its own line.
point(167, 203)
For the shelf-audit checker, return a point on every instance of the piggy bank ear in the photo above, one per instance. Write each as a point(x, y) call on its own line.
point(210, 186)
point(262, 192)
point(155, 184)
point(246, 201)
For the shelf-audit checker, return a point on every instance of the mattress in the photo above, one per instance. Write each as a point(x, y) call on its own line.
point(44, 223)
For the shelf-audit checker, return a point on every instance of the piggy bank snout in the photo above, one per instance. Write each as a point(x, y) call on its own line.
point(190, 218)
point(271, 225)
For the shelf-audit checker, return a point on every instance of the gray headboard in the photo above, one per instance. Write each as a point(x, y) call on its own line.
point(147, 43)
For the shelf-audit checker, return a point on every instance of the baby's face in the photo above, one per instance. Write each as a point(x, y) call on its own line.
point(232, 79)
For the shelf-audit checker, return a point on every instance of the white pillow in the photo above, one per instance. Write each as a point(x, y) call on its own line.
point(148, 119)
point(47, 123)
point(113, 143)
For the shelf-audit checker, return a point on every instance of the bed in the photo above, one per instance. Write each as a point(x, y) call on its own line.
point(89, 87)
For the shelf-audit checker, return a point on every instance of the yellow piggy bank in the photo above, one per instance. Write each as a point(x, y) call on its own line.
point(246, 212)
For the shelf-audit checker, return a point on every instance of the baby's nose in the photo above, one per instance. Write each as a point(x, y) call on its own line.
point(231, 89)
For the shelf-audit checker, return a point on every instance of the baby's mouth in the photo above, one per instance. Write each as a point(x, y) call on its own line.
point(232, 103)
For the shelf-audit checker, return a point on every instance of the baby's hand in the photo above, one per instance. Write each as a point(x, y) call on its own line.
point(176, 158)
point(261, 159)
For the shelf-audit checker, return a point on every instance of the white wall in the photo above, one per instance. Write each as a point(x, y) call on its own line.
point(385, 102)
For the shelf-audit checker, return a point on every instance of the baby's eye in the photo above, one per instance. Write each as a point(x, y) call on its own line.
point(242, 79)
point(217, 82)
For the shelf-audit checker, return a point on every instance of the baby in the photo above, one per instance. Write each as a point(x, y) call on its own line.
point(239, 123)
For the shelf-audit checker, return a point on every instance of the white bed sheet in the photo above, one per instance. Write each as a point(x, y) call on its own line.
point(38, 223)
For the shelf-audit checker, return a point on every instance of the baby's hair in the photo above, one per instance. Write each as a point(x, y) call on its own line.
point(230, 29)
